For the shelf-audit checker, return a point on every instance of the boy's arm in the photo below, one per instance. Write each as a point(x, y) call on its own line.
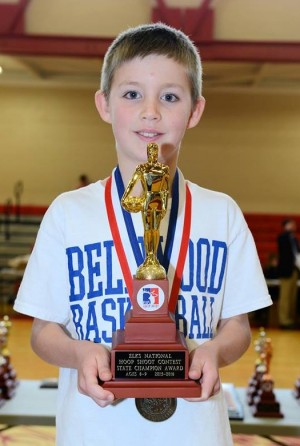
point(92, 361)
point(232, 340)
point(129, 202)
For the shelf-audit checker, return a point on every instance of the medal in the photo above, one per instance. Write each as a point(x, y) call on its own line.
point(156, 409)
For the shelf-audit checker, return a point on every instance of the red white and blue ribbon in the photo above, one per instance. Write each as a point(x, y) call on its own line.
point(176, 222)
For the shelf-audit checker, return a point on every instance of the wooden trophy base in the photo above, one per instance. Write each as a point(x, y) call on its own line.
point(153, 389)
point(266, 406)
point(267, 410)
point(150, 358)
point(151, 370)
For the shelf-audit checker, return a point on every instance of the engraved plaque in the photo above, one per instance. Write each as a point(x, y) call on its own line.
point(150, 365)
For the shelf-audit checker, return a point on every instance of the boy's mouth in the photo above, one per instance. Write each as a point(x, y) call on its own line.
point(150, 135)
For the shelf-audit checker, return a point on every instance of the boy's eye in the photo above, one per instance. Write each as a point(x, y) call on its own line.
point(170, 97)
point(132, 95)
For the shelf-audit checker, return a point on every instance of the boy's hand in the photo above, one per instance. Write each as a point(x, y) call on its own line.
point(94, 366)
point(231, 341)
point(51, 342)
point(204, 367)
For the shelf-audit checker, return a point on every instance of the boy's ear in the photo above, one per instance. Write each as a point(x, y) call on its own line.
point(102, 106)
point(196, 113)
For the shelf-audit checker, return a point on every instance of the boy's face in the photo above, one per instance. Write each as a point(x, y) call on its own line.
point(150, 101)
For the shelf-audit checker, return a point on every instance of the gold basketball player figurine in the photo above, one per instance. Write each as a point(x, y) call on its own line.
point(154, 178)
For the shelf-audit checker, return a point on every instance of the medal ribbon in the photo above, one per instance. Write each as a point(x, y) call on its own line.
point(165, 258)
point(120, 249)
point(182, 251)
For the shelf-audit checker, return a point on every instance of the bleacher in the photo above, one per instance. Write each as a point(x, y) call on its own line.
point(18, 230)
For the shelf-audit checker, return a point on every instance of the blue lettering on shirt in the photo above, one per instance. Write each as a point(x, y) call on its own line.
point(110, 289)
point(203, 257)
point(99, 301)
point(76, 277)
point(93, 252)
point(188, 285)
point(219, 259)
point(92, 329)
point(77, 313)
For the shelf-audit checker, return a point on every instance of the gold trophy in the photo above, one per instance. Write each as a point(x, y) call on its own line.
point(149, 357)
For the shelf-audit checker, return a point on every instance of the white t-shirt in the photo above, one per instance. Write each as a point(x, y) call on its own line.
point(74, 278)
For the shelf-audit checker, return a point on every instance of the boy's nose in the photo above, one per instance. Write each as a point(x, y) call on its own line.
point(150, 111)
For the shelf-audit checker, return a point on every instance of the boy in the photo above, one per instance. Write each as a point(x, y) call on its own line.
point(74, 287)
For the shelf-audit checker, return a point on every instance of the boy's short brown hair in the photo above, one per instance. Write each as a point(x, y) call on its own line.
point(156, 38)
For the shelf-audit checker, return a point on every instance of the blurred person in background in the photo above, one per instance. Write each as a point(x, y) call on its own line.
point(288, 249)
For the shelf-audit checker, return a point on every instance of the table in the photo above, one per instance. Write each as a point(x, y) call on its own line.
point(35, 406)
point(289, 425)
point(31, 405)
